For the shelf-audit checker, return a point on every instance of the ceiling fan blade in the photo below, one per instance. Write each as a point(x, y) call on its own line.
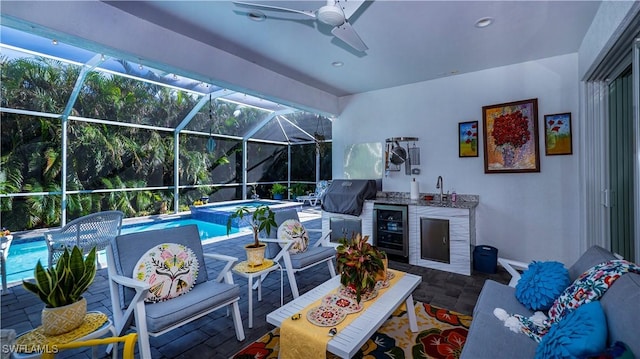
point(311, 14)
point(347, 34)
point(349, 6)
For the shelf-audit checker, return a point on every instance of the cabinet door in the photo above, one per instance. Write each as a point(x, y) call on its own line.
point(434, 239)
point(344, 228)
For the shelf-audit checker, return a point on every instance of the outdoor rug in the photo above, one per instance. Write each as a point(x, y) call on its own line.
point(441, 334)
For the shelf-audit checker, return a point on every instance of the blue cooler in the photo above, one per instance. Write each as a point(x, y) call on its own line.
point(485, 259)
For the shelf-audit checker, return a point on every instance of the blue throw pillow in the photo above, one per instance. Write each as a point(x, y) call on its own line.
point(541, 284)
point(581, 333)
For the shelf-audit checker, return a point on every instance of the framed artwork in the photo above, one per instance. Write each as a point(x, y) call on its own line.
point(511, 137)
point(557, 134)
point(468, 139)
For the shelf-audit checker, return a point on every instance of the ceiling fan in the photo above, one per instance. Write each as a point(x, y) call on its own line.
point(336, 13)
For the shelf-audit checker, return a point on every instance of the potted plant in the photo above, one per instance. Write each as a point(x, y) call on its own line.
point(61, 289)
point(359, 264)
point(259, 218)
point(298, 189)
point(278, 190)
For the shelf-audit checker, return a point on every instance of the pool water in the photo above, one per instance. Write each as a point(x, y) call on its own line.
point(24, 255)
point(221, 212)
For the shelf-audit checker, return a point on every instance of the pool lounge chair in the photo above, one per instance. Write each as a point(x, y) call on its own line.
point(315, 198)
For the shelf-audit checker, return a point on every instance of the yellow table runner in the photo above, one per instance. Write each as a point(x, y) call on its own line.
point(36, 340)
point(303, 339)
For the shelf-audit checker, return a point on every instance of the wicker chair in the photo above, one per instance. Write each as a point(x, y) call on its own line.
point(94, 230)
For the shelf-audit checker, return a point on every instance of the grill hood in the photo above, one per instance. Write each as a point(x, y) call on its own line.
point(348, 196)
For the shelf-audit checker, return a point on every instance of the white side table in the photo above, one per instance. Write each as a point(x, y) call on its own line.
point(244, 270)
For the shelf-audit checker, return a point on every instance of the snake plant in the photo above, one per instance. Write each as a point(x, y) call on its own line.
point(67, 281)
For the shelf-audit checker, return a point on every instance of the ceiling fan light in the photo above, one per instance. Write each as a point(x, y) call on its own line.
point(331, 15)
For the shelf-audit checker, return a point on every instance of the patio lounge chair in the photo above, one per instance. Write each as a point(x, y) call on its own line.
point(156, 318)
point(315, 198)
point(278, 250)
point(93, 230)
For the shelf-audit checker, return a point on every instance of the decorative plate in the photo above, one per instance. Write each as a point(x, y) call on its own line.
point(348, 293)
point(390, 275)
point(347, 304)
point(382, 284)
point(326, 316)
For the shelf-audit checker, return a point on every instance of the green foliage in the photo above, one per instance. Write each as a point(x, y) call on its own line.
point(64, 284)
point(298, 189)
point(358, 264)
point(278, 188)
point(259, 218)
point(102, 156)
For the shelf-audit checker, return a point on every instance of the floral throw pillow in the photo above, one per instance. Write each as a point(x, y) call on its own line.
point(170, 269)
point(293, 230)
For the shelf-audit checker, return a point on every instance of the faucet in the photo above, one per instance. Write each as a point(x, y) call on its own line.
point(440, 185)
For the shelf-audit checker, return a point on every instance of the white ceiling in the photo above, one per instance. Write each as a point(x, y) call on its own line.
point(409, 41)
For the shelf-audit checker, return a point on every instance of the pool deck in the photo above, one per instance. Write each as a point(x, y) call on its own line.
point(213, 336)
point(210, 337)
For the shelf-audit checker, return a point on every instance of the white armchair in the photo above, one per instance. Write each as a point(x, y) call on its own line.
point(154, 319)
point(93, 230)
point(278, 250)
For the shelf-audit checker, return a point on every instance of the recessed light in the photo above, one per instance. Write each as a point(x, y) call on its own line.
point(337, 63)
point(256, 15)
point(484, 22)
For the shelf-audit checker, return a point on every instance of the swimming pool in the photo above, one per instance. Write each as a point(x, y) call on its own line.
point(23, 255)
point(219, 212)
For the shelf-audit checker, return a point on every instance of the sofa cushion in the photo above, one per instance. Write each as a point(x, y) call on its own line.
point(581, 333)
point(593, 256)
point(620, 304)
point(202, 299)
point(541, 284)
point(312, 256)
point(496, 295)
point(488, 338)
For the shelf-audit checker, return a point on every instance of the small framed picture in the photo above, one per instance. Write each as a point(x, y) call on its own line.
point(557, 134)
point(468, 139)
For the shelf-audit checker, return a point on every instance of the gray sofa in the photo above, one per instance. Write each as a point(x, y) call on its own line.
point(489, 338)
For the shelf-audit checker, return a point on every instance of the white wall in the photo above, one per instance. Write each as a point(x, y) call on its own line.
point(526, 216)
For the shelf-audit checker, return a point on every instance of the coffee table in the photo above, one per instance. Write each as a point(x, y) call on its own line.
point(347, 342)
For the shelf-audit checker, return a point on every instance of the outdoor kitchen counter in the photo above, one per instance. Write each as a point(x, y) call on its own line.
point(463, 202)
point(460, 219)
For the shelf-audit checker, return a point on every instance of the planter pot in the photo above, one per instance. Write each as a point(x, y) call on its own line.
point(278, 196)
point(255, 256)
point(56, 321)
point(383, 274)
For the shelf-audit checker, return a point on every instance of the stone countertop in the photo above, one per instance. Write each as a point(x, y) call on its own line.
point(401, 198)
